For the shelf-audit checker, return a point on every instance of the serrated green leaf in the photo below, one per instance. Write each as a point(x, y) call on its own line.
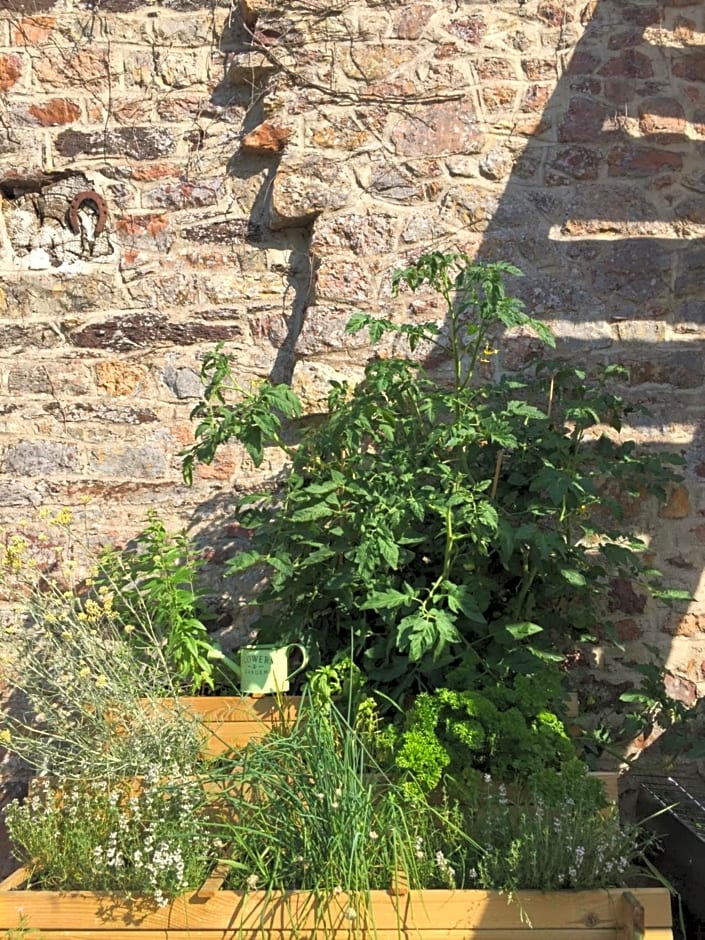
point(243, 560)
point(311, 513)
point(385, 600)
point(523, 629)
point(389, 551)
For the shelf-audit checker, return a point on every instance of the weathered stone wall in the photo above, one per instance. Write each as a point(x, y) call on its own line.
point(258, 172)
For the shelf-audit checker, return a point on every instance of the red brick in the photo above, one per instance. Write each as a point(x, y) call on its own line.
point(631, 160)
point(661, 116)
point(32, 30)
point(583, 122)
point(412, 20)
point(690, 66)
point(553, 14)
point(55, 112)
point(10, 71)
point(267, 138)
point(630, 63)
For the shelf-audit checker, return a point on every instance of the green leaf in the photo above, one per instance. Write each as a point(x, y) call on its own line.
point(244, 560)
point(574, 577)
point(385, 600)
point(311, 513)
point(389, 551)
point(523, 629)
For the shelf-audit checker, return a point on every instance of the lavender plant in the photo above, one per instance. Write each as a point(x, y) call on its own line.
point(561, 833)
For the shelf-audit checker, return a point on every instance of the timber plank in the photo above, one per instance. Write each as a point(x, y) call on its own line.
point(417, 911)
point(479, 933)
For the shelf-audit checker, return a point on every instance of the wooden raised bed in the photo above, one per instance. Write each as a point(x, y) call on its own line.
point(232, 721)
point(213, 914)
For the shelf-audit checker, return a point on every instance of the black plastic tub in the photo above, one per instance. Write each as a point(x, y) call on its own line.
point(674, 809)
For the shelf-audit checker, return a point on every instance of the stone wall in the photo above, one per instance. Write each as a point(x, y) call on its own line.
point(179, 173)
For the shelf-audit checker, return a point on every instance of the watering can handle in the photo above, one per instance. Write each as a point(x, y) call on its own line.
point(304, 660)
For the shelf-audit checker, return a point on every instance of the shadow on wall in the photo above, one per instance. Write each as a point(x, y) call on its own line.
point(605, 213)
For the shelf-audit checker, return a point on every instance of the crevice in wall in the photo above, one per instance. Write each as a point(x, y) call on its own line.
point(52, 219)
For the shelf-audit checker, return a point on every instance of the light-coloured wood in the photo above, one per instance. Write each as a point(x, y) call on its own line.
point(416, 912)
point(231, 721)
point(350, 934)
point(633, 917)
point(14, 880)
point(610, 781)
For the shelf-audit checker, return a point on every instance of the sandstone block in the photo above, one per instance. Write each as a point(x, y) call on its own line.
point(678, 504)
point(690, 66)
point(182, 382)
point(301, 191)
point(635, 160)
point(31, 30)
point(630, 64)
point(267, 138)
point(583, 122)
point(141, 462)
point(182, 195)
point(411, 20)
point(447, 128)
point(661, 115)
point(471, 30)
point(62, 69)
point(117, 377)
point(14, 494)
point(10, 71)
point(367, 234)
point(55, 112)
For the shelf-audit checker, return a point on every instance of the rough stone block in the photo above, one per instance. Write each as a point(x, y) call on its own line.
point(140, 462)
point(41, 458)
point(147, 330)
point(68, 67)
point(138, 143)
point(53, 112)
point(10, 71)
point(449, 127)
point(303, 190)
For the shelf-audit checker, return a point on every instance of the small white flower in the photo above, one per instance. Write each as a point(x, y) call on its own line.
point(351, 913)
point(252, 881)
point(373, 835)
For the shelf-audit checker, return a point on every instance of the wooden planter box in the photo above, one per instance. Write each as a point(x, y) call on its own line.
point(232, 720)
point(213, 914)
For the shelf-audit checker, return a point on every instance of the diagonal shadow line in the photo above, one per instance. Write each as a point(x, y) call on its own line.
point(604, 212)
